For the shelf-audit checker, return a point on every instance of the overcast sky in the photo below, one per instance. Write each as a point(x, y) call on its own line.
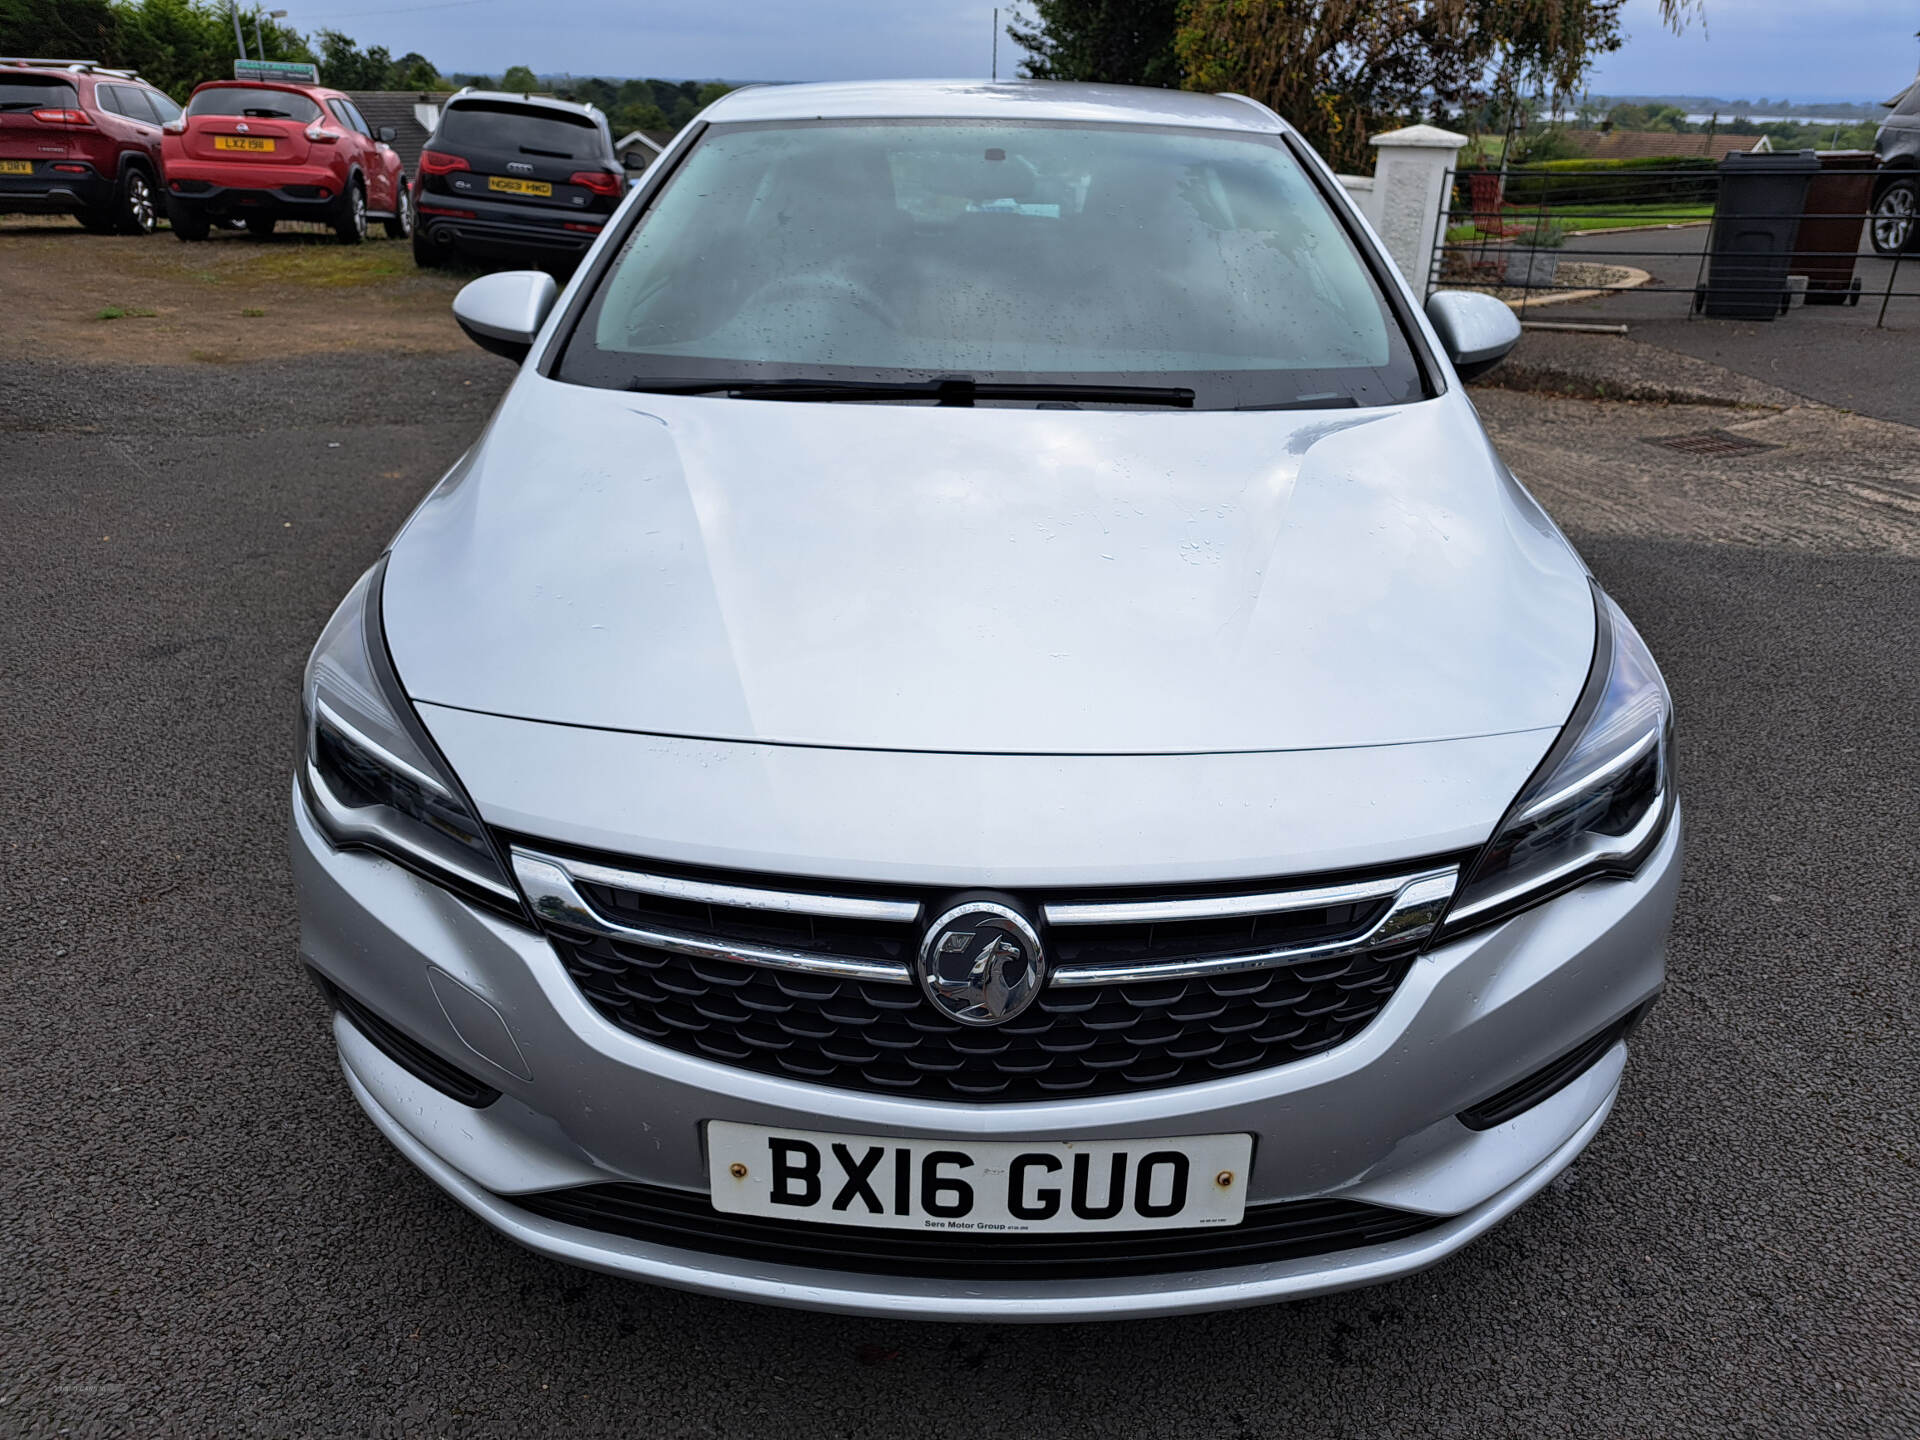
point(1801, 49)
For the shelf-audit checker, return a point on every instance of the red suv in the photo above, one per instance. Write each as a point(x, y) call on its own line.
point(80, 139)
point(265, 151)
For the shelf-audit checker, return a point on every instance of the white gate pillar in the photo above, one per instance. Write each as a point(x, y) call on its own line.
point(1409, 195)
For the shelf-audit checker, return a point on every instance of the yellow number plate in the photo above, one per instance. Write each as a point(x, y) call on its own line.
point(240, 142)
point(16, 167)
point(519, 187)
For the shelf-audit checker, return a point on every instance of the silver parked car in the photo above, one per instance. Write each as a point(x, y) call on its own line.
point(984, 735)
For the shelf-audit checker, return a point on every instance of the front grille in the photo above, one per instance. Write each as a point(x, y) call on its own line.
point(682, 1220)
point(869, 1029)
point(865, 1035)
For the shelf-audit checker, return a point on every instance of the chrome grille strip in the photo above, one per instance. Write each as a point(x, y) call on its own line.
point(1415, 911)
point(548, 883)
point(1221, 907)
point(550, 890)
point(741, 897)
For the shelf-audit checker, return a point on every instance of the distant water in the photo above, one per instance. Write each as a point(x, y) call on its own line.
point(1770, 119)
point(1567, 116)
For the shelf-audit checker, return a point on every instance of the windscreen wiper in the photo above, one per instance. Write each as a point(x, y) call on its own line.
point(1309, 402)
point(946, 389)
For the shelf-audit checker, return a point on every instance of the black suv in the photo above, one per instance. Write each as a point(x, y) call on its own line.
point(1896, 195)
point(515, 177)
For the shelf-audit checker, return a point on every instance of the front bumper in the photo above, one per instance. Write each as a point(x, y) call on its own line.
point(1373, 1120)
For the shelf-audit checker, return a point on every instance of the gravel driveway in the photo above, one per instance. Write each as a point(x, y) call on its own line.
point(199, 1232)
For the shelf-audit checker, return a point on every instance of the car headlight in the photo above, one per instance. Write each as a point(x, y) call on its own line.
point(1601, 799)
point(372, 775)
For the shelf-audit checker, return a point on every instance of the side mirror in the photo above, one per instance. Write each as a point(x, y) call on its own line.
point(386, 133)
point(1477, 329)
point(504, 312)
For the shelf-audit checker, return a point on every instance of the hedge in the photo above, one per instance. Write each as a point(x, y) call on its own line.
point(1656, 179)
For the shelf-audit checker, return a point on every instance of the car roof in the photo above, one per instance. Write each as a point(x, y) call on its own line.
point(312, 92)
point(62, 72)
point(984, 100)
point(546, 102)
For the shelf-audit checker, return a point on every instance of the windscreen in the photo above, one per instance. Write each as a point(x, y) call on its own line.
point(260, 104)
point(493, 125)
point(30, 92)
point(1016, 252)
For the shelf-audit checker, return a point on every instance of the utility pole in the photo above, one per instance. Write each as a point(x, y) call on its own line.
point(996, 42)
point(238, 38)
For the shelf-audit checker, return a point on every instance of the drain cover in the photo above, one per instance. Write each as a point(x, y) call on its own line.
point(1713, 443)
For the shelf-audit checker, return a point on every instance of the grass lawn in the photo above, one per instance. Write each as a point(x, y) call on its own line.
point(1624, 217)
point(1590, 217)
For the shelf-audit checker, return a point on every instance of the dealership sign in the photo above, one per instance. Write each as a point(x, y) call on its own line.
point(302, 71)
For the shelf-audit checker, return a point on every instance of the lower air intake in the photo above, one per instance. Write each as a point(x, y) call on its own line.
point(682, 1220)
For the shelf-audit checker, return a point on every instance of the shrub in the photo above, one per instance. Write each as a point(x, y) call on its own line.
point(1654, 180)
point(1552, 143)
point(1543, 235)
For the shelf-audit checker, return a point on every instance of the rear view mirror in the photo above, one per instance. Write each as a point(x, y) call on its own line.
point(503, 313)
point(1477, 329)
point(387, 132)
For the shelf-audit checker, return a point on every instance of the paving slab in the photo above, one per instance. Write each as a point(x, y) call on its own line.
point(1607, 367)
point(1820, 480)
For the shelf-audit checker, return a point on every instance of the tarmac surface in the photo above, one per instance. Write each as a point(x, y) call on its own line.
point(1840, 355)
point(201, 1234)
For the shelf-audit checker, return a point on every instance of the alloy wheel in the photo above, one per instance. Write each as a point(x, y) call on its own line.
point(1893, 217)
point(400, 227)
point(141, 212)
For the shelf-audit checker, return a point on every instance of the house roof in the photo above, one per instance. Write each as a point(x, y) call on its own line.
point(1661, 144)
point(396, 108)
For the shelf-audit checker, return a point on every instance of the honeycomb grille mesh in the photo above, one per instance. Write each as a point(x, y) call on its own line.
point(884, 1038)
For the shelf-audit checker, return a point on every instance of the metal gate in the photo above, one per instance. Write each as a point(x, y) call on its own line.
point(1651, 243)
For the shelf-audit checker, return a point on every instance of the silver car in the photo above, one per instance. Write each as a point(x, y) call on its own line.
point(984, 736)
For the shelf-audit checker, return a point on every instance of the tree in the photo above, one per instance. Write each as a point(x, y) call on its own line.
point(1122, 42)
point(178, 44)
point(413, 71)
point(1337, 69)
point(520, 80)
point(59, 29)
point(344, 66)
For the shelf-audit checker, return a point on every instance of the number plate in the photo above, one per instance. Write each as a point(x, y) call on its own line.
point(16, 167)
point(241, 142)
point(518, 187)
point(990, 1187)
